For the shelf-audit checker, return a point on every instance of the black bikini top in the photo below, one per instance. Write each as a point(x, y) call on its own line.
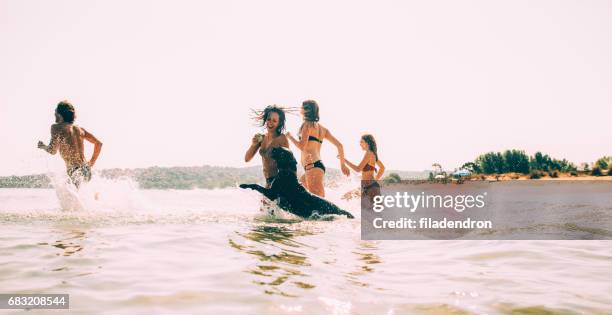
point(313, 138)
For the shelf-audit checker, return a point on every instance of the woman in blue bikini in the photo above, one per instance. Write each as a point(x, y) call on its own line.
point(312, 134)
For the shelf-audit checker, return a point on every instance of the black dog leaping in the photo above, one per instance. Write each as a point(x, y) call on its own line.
point(294, 197)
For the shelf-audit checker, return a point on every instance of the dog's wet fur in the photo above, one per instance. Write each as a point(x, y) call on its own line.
point(294, 197)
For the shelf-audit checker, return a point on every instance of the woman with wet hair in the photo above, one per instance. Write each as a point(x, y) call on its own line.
point(311, 137)
point(273, 119)
point(369, 174)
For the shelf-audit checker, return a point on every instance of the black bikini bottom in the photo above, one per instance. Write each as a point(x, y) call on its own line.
point(367, 185)
point(318, 164)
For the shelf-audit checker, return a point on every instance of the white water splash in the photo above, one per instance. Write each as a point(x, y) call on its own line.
point(100, 194)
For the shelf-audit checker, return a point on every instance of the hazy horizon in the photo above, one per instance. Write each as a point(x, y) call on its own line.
point(250, 166)
point(172, 83)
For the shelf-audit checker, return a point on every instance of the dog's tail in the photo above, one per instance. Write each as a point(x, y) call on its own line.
point(346, 213)
point(330, 208)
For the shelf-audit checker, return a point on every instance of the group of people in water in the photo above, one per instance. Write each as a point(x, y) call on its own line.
point(68, 139)
point(309, 142)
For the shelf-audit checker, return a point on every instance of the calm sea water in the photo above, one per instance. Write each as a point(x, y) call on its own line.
point(212, 251)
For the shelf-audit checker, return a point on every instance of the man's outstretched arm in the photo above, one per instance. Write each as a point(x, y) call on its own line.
point(52, 147)
point(97, 146)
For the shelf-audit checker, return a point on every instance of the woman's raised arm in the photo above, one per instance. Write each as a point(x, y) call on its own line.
point(250, 153)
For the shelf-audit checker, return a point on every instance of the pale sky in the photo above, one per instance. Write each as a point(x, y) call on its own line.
point(170, 83)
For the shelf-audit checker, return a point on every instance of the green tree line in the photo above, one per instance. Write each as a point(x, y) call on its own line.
point(517, 161)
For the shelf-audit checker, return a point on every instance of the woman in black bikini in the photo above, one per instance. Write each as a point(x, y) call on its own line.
point(367, 167)
point(273, 118)
point(312, 135)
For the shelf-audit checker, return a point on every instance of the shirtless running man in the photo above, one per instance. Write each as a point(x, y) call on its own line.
point(68, 139)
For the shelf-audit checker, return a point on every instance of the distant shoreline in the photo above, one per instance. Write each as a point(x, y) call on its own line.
point(181, 178)
point(544, 177)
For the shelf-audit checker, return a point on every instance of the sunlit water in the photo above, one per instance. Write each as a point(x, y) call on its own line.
point(213, 252)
